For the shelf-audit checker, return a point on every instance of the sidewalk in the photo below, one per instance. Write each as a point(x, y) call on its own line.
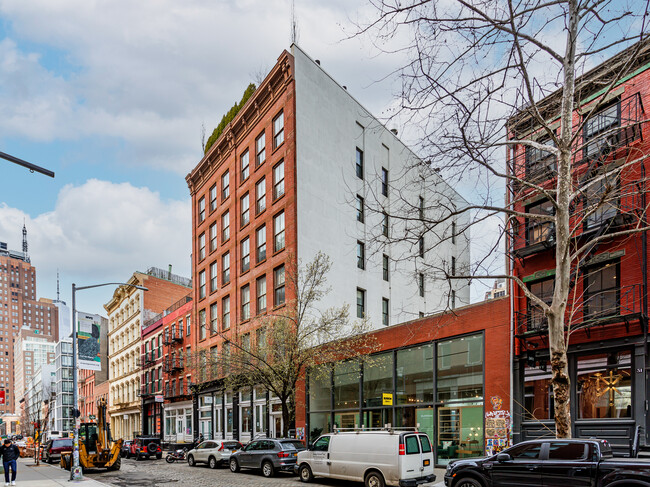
point(29, 475)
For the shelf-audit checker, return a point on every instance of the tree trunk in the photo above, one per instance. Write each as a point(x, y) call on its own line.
point(560, 380)
point(287, 415)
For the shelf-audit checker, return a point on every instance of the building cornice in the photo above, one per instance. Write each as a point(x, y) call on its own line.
point(253, 110)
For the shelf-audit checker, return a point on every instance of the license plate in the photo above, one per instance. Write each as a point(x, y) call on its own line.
point(426, 463)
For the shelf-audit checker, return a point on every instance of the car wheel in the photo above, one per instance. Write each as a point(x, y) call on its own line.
point(212, 463)
point(267, 469)
point(305, 474)
point(468, 482)
point(374, 479)
point(234, 465)
point(190, 461)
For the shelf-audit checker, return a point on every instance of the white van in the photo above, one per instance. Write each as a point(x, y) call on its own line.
point(377, 458)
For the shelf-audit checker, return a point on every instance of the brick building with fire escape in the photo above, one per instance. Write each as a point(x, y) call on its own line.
point(607, 315)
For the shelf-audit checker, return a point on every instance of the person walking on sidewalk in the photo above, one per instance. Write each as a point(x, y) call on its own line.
point(10, 454)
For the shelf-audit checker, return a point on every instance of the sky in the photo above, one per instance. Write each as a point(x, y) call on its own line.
point(112, 96)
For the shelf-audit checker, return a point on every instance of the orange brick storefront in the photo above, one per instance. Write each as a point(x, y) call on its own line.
point(448, 373)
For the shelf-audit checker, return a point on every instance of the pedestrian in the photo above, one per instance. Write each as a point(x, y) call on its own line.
point(10, 454)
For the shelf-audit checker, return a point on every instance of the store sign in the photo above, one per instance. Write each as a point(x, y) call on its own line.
point(2, 397)
point(159, 398)
point(387, 399)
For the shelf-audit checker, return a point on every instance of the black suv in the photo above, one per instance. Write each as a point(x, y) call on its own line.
point(145, 447)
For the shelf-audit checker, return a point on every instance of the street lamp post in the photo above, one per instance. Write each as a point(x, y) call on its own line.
point(75, 470)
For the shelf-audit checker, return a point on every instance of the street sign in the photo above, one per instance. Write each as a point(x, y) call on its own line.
point(387, 399)
point(159, 398)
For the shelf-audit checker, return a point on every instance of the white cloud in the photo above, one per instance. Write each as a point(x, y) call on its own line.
point(102, 231)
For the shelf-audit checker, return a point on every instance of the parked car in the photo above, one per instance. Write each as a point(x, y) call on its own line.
point(126, 448)
point(213, 452)
point(53, 448)
point(377, 458)
point(550, 462)
point(145, 447)
point(268, 454)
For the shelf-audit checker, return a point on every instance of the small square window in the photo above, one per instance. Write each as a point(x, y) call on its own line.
point(225, 185)
point(360, 209)
point(201, 209)
point(245, 166)
point(260, 150)
point(278, 130)
point(278, 286)
point(278, 180)
point(361, 255)
point(361, 303)
point(385, 312)
point(384, 181)
point(359, 163)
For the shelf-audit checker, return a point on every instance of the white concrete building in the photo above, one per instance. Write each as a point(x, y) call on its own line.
point(61, 408)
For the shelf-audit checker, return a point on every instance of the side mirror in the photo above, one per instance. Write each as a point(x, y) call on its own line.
point(503, 457)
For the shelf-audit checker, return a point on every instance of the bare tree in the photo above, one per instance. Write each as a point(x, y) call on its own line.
point(290, 340)
point(507, 102)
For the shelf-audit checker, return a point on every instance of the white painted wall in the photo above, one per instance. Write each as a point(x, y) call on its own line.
point(330, 125)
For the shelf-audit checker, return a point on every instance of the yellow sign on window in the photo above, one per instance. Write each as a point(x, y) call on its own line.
point(387, 399)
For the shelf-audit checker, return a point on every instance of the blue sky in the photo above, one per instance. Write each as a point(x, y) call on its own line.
point(111, 96)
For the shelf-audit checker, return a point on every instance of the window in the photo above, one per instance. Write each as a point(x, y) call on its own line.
point(453, 232)
point(538, 231)
point(201, 284)
point(601, 291)
point(188, 323)
point(246, 345)
point(359, 163)
point(260, 149)
point(278, 232)
point(225, 313)
point(567, 451)
point(245, 255)
point(202, 246)
point(384, 225)
point(421, 284)
point(260, 243)
point(602, 202)
point(213, 276)
point(225, 185)
point(260, 196)
point(202, 324)
point(360, 209)
point(384, 181)
point(526, 452)
point(245, 302)
point(214, 319)
point(213, 237)
point(278, 180)
point(225, 268)
point(384, 312)
point(260, 289)
point(361, 303)
point(453, 266)
point(604, 383)
point(421, 208)
point(245, 210)
point(278, 286)
point(225, 226)
point(245, 166)
point(453, 299)
point(536, 319)
point(384, 266)
point(540, 163)
point(201, 209)
point(213, 197)
point(598, 132)
point(278, 130)
point(421, 246)
point(412, 445)
point(361, 255)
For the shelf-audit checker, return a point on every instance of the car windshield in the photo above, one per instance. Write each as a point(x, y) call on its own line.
point(292, 445)
point(61, 443)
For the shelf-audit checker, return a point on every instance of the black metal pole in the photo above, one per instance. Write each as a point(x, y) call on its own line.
point(28, 165)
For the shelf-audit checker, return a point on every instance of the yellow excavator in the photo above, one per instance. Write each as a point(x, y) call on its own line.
point(96, 447)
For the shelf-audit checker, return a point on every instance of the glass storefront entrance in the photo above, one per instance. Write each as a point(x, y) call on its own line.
point(436, 387)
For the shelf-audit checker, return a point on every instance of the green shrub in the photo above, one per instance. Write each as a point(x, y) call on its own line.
point(229, 117)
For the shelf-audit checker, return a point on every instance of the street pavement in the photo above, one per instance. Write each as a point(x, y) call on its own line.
point(158, 473)
point(44, 475)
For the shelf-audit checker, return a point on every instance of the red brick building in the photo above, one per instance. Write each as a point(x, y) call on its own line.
point(177, 345)
point(607, 313)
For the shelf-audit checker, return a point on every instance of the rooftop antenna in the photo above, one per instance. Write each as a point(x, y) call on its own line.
point(25, 247)
point(294, 23)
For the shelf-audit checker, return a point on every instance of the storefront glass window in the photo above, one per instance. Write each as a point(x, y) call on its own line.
point(459, 374)
point(412, 416)
point(346, 385)
point(414, 381)
point(229, 420)
point(188, 421)
point(538, 393)
point(246, 419)
point(605, 385)
point(377, 379)
point(319, 423)
point(320, 388)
